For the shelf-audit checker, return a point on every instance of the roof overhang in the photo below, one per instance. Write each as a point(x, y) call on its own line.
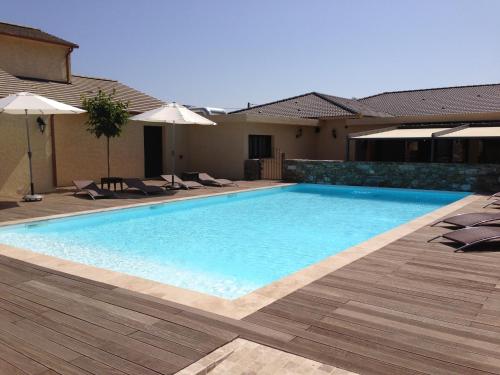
point(42, 40)
point(413, 133)
point(429, 119)
point(276, 120)
point(398, 133)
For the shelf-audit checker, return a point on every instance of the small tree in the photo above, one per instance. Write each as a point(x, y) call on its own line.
point(106, 117)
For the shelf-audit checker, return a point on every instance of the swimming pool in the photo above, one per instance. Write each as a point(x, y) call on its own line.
point(228, 245)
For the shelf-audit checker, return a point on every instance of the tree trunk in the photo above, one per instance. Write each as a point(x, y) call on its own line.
point(107, 149)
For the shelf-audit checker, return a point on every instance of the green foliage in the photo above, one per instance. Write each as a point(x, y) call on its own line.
point(106, 116)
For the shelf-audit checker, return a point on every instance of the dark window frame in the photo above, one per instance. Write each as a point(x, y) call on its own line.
point(260, 146)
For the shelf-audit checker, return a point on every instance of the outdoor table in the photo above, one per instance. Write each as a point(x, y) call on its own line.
point(112, 180)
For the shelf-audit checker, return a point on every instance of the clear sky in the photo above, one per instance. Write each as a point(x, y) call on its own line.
point(225, 53)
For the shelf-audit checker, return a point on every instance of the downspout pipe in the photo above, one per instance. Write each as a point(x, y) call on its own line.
point(68, 68)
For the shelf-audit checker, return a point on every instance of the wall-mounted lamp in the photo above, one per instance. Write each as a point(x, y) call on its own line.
point(41, 124)
point(334, 133)
point(299, 133)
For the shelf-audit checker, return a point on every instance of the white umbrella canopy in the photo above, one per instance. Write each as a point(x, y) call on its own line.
point(173, 113)
point(26, 103)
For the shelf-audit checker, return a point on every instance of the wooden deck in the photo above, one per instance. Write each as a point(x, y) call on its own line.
point(54, 323)
point(408, 308)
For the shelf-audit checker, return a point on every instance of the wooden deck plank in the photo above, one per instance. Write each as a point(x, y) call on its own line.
point(79, 310)
point(344, 359)
point(7, 368)
point(166, 314)
point(95, 367)
point(40, 355)
point(114, 361)
point(399, 340)
point(416, 321)
point(379, 288)
point(427, 347)
point(149, 356)
point(11, 330)
point(404, 305)
point(171, 346)
point(20, 361)
point(463, 342)
point(139, 360)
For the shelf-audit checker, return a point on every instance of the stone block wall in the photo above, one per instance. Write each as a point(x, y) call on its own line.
point(252, 169)
point(434, 176)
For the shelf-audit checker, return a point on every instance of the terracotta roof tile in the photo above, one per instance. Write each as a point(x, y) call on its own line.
point(72, 93)
point(439, 101)
point(355, 106)
point(308, 105)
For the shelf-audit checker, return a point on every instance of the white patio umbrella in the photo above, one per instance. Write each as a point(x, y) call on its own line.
point(26, 103)
point(175, 114)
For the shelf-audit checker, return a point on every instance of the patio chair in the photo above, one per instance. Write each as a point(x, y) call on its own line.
point(469, 220)
point(180, 182)
point(470, 236)
point(137, 184)
point(208, 180)
point(92, 190)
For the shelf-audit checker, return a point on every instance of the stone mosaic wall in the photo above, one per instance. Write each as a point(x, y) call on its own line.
point(438, 176)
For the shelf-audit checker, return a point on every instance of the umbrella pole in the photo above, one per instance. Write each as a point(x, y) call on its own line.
point(173, 152)
point(32, 186)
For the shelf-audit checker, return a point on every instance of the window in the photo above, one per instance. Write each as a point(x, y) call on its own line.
point(260, 146)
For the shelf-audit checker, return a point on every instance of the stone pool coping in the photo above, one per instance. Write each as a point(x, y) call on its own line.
point(237, 308)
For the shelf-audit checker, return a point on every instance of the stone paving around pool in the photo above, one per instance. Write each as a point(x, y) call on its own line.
point(243, 357)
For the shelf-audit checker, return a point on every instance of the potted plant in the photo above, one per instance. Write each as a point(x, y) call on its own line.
point(106, 117)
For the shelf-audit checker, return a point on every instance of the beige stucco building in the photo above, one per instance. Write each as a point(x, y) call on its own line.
point(32, 60)
point(309, 126)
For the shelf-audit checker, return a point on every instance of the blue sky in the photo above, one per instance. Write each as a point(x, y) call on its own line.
point(227, 53)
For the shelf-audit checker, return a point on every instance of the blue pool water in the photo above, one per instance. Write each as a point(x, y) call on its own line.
point(232, 244)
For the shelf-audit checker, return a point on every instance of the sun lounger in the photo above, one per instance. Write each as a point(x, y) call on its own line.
point(137, 184)
point(206, 179)
point(470, 220)
point(180, 182)
point(496, 195)
point(494, 203)
point(92, 190)
point(471, 236)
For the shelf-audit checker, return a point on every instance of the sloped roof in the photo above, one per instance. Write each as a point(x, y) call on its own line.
point(80, 86)
point(355, 106)
point(438, 101)
point(312, 105)
point(32, 33)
